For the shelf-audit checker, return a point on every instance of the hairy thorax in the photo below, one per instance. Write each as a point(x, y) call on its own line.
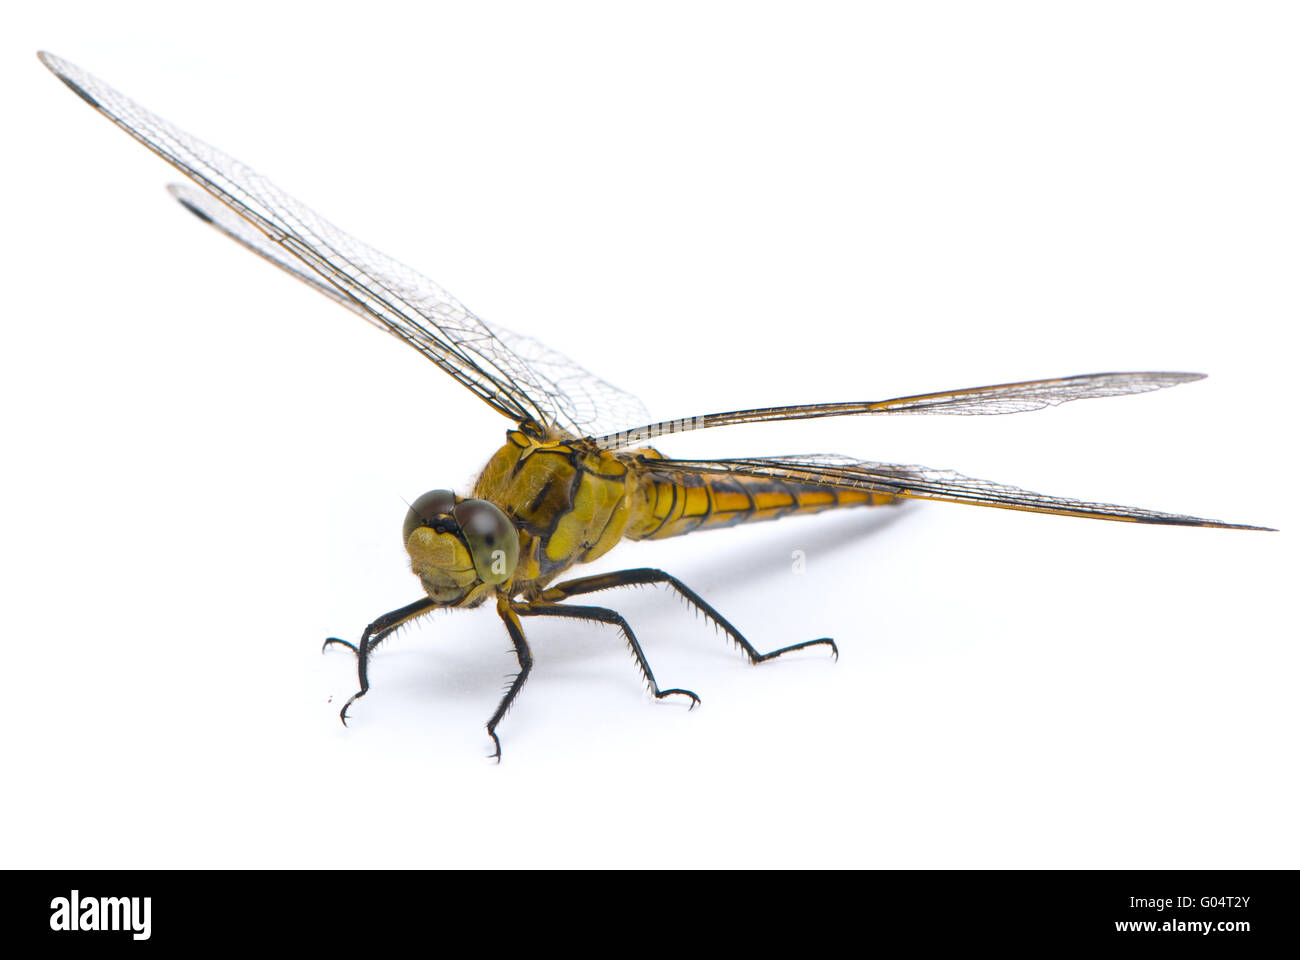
point(570, 501)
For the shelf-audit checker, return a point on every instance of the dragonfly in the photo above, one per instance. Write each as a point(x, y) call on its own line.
point(576, 475)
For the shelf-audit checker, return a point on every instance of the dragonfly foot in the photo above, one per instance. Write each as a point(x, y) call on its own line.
point(343, 643)
point(664, 694)
point(827, 641)
point(343, 714)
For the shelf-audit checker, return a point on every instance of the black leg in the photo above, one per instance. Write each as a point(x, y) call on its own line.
point(525, 657)
point(371, 638)
point(601, 615)
point(644, 575)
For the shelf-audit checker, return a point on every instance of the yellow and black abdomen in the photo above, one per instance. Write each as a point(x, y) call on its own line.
point(673, 502)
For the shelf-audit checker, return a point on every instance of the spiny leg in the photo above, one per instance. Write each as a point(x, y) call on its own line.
point(602, 615)
point(644, 575)
point(371, 638)
point(525, 657)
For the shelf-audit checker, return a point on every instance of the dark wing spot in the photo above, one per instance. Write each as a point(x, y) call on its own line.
point(194, 210)
point(80, 92)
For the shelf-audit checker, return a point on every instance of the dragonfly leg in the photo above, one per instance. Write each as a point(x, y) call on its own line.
point(646, 575)
point(371, 637)
point(525, 658)
point(602, 615)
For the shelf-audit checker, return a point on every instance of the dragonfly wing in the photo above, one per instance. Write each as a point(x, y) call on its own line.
point(591, 402)
point(970, 401)
point(591, 405)
point(924, 483)
point(391, 295)
point(223, 219)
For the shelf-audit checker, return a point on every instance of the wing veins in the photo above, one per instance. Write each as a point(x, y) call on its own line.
point(323, 267)
point(547, 388)
point(1002, 398)
point(924, 483)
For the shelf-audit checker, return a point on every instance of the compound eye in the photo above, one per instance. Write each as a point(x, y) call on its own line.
point(492, 539)
point(426, 510)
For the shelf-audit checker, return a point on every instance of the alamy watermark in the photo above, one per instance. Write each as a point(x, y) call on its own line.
point(101, 914)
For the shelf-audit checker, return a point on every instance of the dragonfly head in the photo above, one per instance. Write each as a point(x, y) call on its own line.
point(458, 546)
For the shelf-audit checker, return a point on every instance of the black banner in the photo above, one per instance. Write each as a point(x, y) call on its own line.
point(1232, 910)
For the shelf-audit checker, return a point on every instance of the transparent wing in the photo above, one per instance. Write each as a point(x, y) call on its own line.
point(592, 403)
point(999, 398)
point(552, 391)
point(924, 483)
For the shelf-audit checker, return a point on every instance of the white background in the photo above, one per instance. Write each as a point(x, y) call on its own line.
point(714, 206)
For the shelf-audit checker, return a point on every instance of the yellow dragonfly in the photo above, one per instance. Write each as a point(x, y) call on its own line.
point(576, 474)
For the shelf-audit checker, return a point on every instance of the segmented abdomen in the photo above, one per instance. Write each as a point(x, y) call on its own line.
point(676, 502)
